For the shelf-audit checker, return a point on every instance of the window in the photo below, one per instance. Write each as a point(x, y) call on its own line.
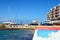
point(56, 15)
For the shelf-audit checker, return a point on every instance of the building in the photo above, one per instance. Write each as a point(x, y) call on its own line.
point(54, 14)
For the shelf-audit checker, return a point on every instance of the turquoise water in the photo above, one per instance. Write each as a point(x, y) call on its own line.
point(45, 33)
point(16, 34)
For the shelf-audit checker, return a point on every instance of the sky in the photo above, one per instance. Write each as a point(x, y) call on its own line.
point(26, 10)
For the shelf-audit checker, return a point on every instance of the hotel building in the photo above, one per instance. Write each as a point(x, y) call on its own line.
point(54, 14)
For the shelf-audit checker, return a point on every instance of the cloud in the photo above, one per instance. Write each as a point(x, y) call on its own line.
point(52, 36)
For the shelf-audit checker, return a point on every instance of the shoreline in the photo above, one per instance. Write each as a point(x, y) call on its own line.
point(17, 28)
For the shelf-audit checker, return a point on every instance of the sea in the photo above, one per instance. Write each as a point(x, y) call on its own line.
point(16, 34)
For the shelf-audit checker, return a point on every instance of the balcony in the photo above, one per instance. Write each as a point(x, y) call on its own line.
point(56, 16)
point(57, 12)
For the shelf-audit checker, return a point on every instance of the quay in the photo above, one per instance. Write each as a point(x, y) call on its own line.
point(16, 27)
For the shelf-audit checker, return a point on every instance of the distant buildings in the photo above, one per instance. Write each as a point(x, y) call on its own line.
point(8, 22)
point(12, 25)
point(54, 14)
